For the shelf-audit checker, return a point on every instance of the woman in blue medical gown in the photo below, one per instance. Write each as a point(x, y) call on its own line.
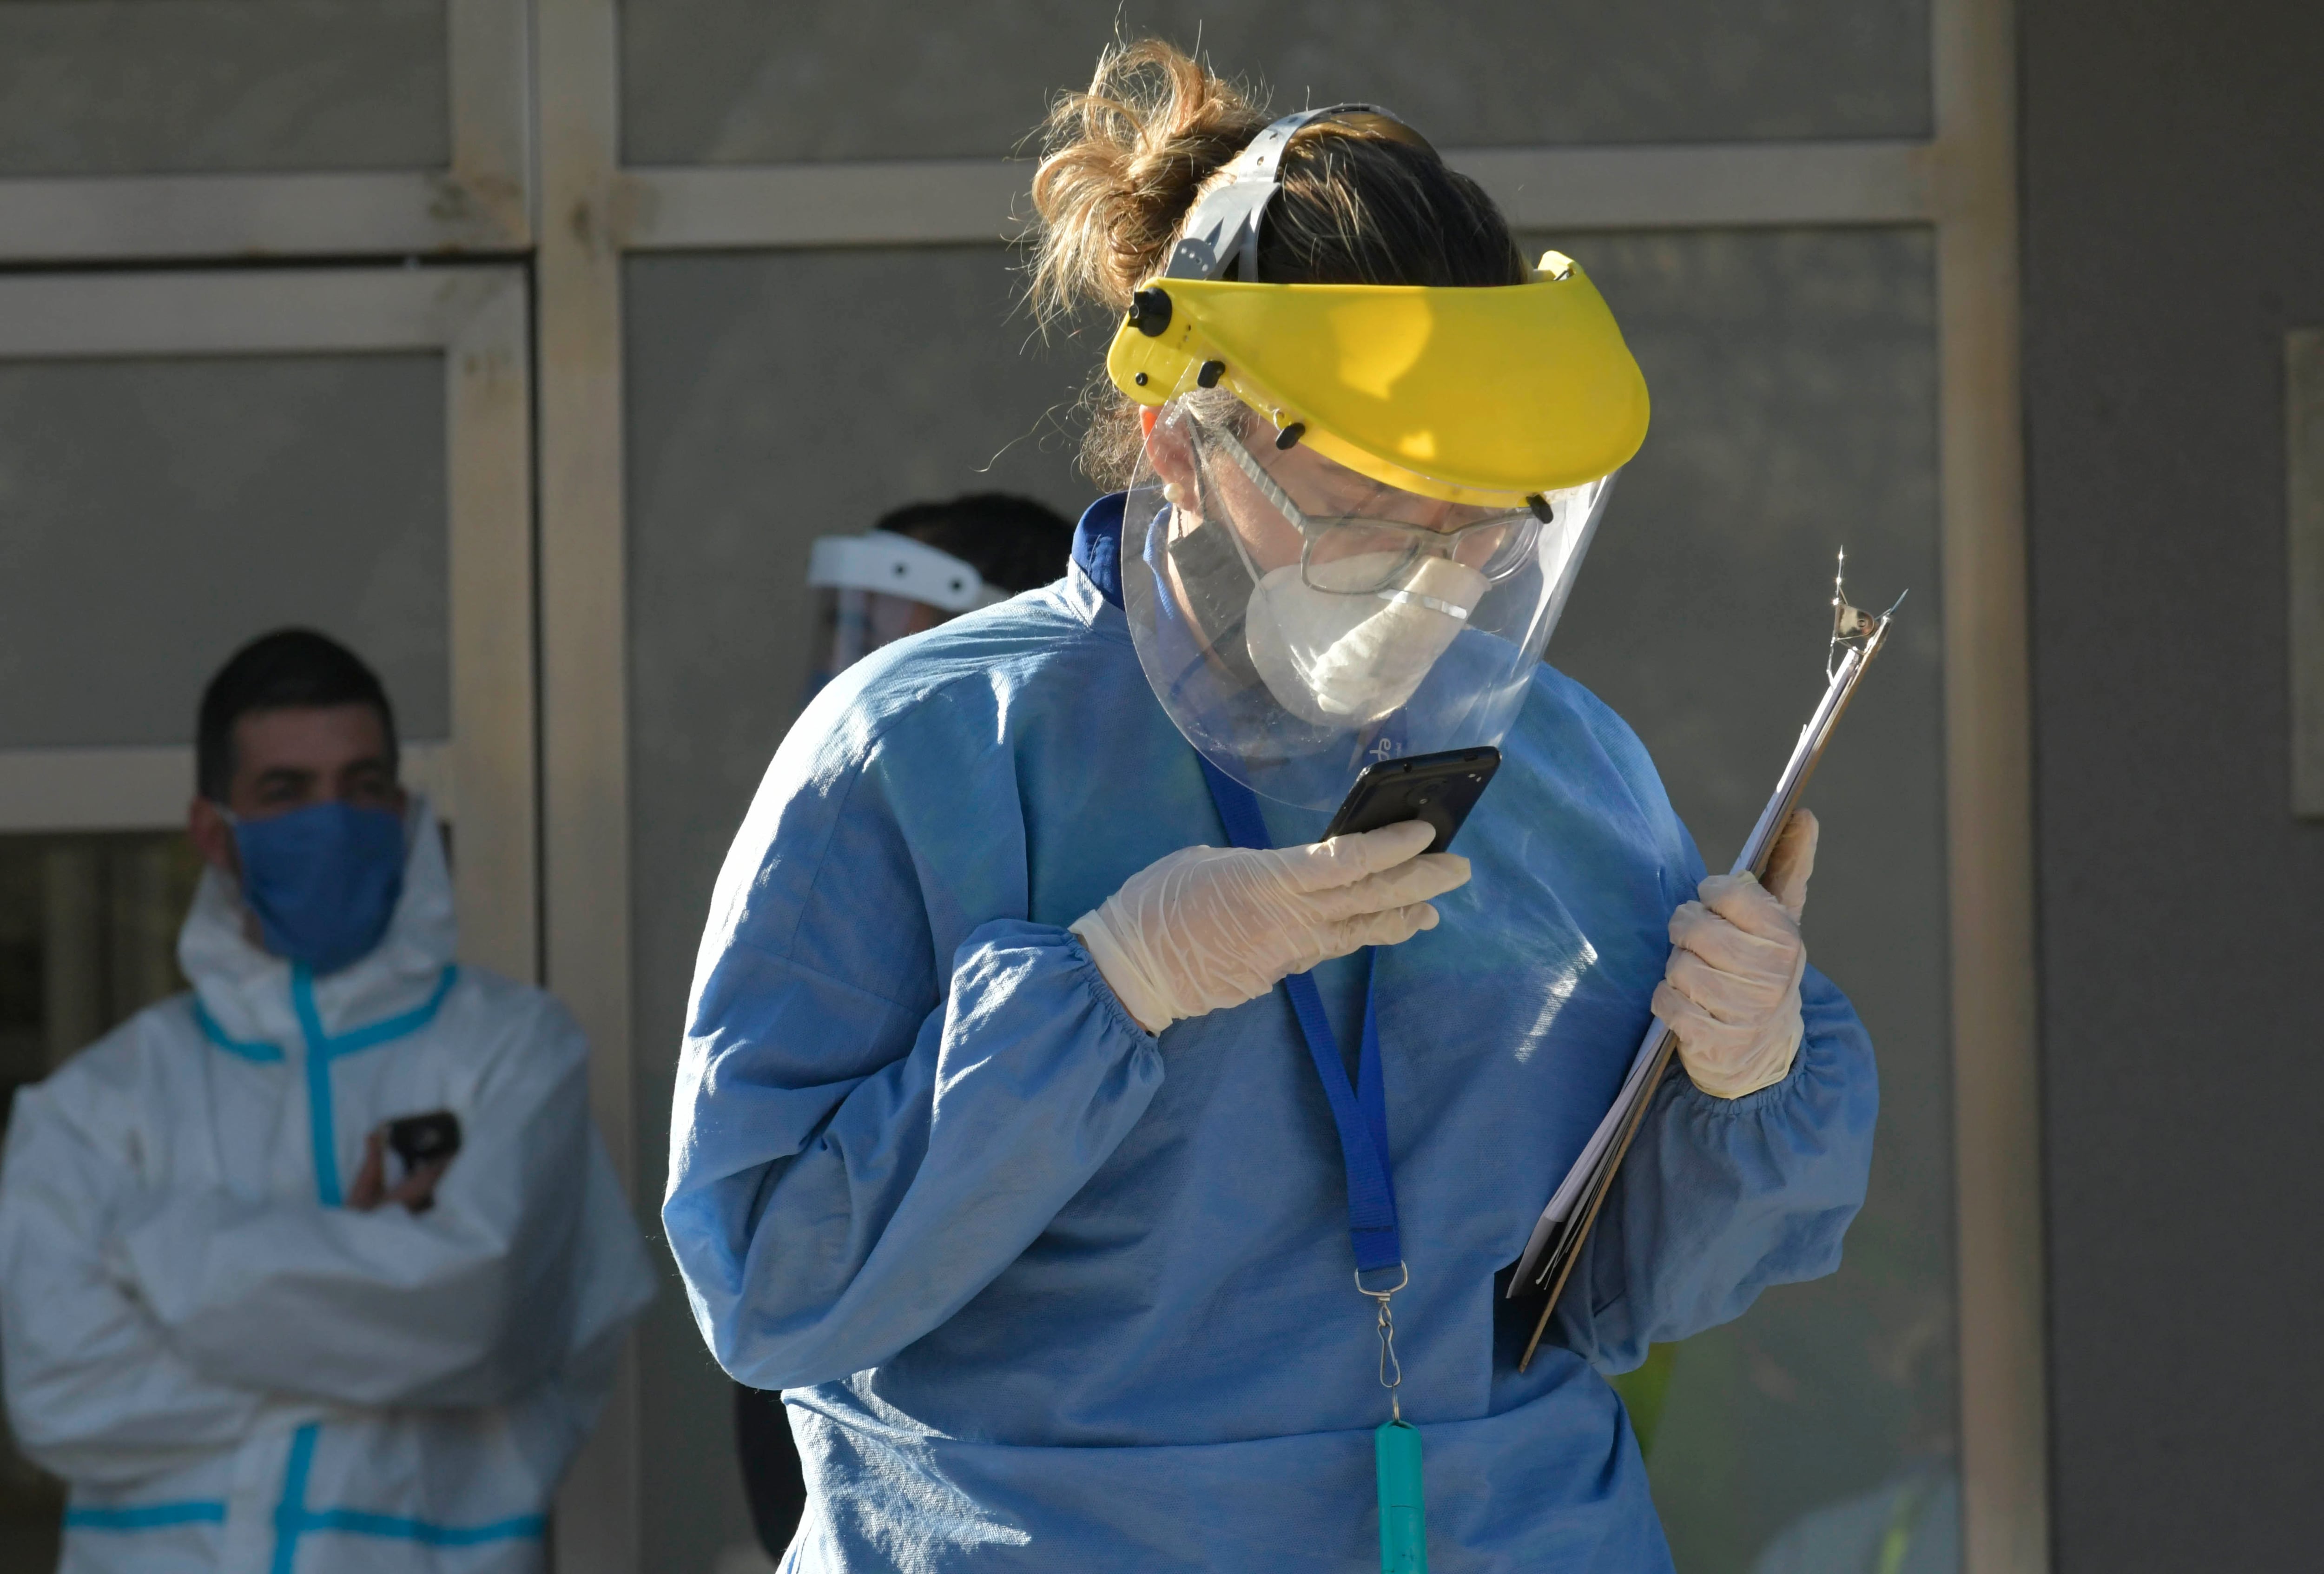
point(998, 1143)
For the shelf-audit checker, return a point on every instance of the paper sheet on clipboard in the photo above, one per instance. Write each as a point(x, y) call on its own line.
point(1587, 1167)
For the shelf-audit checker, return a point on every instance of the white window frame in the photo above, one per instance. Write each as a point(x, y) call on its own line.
point(475, 318)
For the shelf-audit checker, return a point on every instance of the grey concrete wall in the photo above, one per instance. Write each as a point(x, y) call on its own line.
point(2173, 203)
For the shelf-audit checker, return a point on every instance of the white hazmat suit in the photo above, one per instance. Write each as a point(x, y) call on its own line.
point(236, 1372)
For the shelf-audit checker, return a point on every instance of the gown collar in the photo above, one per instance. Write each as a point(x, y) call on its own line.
point(1097, 545)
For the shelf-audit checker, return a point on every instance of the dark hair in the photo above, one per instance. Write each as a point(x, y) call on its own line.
point(1125, 161)
point(1014, 543)
point(290, 669)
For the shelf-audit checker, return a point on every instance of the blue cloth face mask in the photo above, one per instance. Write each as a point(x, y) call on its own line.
point(323, 880)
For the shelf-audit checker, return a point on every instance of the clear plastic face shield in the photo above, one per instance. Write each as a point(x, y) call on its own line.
point(1362, 506)
point(1300, 621)
point(852, 622)
point(874, 589)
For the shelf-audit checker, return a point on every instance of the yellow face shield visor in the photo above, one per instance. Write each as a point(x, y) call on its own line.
point(1477, 395)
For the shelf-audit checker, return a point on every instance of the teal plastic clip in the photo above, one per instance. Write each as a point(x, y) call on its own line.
point(1404, 1526)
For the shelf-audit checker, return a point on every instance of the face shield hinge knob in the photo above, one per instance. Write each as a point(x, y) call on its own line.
point(1289, 436)
point(1149, 311)
point(1141, 379)
point(1211, 372)
point(1541, 509)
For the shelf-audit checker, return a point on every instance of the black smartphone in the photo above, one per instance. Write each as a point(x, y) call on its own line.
point(1441, 788)
point(424, 1139)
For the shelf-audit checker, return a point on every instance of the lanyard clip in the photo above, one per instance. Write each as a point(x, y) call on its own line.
point(1391, 1370)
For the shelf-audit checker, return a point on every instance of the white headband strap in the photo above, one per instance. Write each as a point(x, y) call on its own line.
point(899, 565)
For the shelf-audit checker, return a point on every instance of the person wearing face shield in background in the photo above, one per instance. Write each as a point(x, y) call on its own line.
point(918, 566)
point(1047, 1081)
point(249, 1316)
point(923, 563)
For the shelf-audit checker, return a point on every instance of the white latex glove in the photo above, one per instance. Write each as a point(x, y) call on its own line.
point(1208, 927)
point(1732, 990)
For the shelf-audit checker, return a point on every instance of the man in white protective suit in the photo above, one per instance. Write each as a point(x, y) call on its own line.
point(322, 1266)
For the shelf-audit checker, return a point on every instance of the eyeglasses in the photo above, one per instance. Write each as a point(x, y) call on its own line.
point(1358, 555)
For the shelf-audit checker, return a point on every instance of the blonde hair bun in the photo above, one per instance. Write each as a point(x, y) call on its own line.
point(1124, 160)
point(1122, 163)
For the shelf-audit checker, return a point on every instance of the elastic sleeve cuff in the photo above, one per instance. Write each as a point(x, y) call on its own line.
point(1783, 1070)
point(1122, 973)
point(1753, 1100)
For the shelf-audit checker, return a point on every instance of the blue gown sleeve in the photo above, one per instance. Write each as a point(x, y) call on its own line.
point(891, 1082)
point(1721, 1198)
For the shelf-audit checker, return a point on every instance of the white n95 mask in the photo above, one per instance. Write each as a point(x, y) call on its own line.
point(1294, 647)
point(1342, 660)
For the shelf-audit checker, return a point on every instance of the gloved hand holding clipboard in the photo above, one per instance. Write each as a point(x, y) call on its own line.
point(1565, 1225)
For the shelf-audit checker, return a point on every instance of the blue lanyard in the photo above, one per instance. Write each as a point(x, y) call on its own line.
point(1360, 1112)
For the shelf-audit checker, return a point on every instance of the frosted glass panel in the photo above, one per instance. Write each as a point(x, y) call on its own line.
point(151, 87)
point(741, 81)
point(156, 514)
point(1794, 387)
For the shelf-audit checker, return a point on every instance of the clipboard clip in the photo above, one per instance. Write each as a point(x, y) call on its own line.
point(1852, 628)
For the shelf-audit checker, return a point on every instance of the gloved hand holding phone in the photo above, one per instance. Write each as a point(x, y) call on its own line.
point(1208, 927)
